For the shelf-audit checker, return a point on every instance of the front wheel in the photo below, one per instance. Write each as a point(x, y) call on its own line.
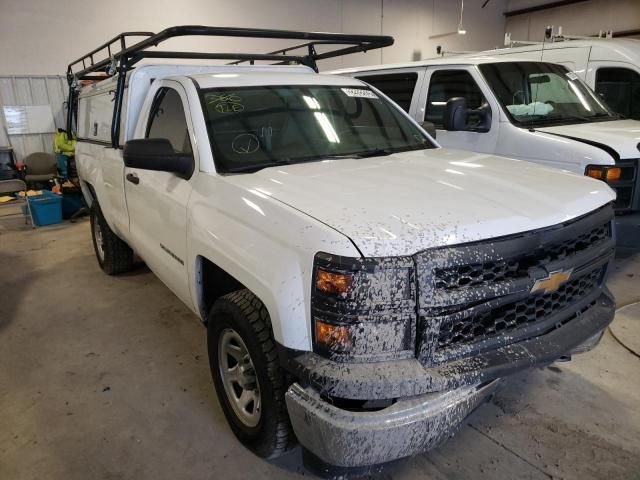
point(249, 381)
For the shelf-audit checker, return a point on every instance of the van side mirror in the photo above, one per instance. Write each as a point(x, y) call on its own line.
point(457, 117)
point(157, 154)
point(429, 127)
point(455, 114)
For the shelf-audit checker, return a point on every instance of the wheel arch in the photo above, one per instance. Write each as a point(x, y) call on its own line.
point(212, 282)
point(88, 192)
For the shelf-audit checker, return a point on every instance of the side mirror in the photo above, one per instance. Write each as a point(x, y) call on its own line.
point(483, 113)
point(429, 127)
point(455, 114)
point(157, 154)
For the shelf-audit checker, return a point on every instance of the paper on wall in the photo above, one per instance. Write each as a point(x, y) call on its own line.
point(26, 119)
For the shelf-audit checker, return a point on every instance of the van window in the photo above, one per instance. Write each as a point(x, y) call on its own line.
point(168, 120)
point(620, 88)
point(446, 84)
point(398, 87)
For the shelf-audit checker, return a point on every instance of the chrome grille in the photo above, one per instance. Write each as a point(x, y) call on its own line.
point(473, 296)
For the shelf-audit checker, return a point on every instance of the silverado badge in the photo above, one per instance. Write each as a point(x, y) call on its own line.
point(552, 282)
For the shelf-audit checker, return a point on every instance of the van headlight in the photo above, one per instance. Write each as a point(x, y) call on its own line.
point(363, 309)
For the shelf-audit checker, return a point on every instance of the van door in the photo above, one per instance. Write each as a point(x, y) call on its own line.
point(157, 201)
point(403, 86)
point(444, 83)
point(618, 84)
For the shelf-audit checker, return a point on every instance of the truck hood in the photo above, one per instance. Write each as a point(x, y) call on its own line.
point(621, 136)
point(403, 203)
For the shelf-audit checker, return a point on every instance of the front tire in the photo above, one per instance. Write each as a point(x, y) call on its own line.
point(114, 256)
point(249, 381)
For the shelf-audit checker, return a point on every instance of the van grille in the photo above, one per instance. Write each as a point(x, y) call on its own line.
point(474, 296)
point(627, 198)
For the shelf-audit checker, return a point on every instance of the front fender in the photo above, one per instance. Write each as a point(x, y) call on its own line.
point(264, 244)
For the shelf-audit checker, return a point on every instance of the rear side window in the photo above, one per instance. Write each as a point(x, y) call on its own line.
point(168, 120)
point(398, 87)
point(446, 84)
point(620, 88)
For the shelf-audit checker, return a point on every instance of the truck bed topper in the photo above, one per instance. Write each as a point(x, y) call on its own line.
point(114, 57)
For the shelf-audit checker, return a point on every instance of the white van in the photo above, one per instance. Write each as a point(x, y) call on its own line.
point(524, 109)
point(610, 66)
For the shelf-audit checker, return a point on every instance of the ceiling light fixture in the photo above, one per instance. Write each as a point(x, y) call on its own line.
point(461, 31)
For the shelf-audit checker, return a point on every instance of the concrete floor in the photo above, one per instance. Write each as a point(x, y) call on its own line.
point(107, 378)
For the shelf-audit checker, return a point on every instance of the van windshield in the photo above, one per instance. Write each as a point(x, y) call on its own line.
point(251, 128)
point(543, 94)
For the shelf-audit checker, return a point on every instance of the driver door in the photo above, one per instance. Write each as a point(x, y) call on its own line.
point(444, 83)
point(157, 201)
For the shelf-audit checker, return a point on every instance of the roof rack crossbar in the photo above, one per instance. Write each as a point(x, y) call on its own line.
point(242, 57)
point(284, 51)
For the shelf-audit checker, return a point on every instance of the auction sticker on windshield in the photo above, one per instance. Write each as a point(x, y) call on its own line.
point(359, 93)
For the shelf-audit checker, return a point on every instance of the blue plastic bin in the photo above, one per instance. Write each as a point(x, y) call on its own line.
point(71, 202)
point(46, 209)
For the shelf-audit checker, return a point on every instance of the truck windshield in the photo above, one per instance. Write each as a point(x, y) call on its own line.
point(543, 94)
point(251, 128)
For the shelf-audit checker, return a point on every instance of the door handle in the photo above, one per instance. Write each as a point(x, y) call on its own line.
point(133, 178)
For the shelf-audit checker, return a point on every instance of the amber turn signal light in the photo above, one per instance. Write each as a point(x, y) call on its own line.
point(333, 336)
point(595, 172)
point(613, 174)
point(332, 282)
point(607, 174)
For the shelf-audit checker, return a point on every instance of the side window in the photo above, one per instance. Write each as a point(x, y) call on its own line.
point(168, 120)
point(398, 87)
point(620, 88)
point(446, 84)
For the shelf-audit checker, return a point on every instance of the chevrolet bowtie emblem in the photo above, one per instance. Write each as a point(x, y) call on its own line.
point(552, 282)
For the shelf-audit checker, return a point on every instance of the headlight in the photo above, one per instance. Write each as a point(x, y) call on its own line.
point(363, 309)
point(605, 173)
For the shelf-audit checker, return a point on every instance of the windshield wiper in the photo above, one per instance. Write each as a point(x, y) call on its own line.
point(381, 152)
point(256, 167)
point(378, 152)
point(543, 120)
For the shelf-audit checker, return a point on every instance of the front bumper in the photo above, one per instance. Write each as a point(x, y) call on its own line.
point(430, 402)
point(408, 377)
point(355, 439)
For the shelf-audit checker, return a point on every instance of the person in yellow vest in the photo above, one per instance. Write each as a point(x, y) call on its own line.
point(65, 148)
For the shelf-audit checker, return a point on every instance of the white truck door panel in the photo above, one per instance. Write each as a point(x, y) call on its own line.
point(443, 83)
point(157, 201)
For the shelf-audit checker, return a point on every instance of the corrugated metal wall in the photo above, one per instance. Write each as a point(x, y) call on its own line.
point(21, 90)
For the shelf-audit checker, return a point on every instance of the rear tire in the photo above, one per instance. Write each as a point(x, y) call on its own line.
point(239, 327)
point(114, 256)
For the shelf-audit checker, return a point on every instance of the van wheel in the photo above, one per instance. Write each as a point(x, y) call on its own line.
point(114, 256)
point(249, 381)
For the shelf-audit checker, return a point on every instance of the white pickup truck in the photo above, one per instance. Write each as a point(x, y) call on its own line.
point(363, 289)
